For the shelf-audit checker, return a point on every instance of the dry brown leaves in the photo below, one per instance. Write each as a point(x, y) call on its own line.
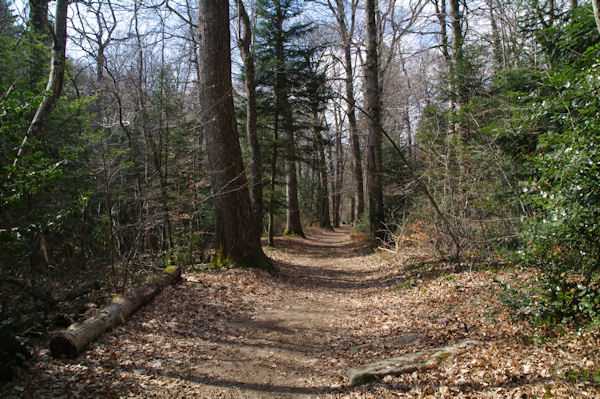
point(241, 333)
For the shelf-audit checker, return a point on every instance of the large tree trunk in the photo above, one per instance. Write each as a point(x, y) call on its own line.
point(55, 81)
point(57, 73)
point(38, 16)
point(250, 87)
point(70, 342)
point(237, 240)
point(373, 102)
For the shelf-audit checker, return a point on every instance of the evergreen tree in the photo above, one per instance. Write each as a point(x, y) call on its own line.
point(314, 95)
point(276, 34)
point(7, 20)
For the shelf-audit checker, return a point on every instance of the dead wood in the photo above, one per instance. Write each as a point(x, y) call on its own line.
point(70, 342)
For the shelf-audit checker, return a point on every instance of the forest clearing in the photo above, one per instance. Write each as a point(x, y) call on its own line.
point(246, 334)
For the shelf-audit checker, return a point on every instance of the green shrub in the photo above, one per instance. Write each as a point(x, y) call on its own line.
point(362, 224)
point(562, 237)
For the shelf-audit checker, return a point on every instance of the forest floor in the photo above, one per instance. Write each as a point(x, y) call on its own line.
point(248, 334)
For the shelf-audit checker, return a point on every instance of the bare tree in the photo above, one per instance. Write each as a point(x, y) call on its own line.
point(237, 241)
point(373, 105)
point(245, 44)
point(347, 32)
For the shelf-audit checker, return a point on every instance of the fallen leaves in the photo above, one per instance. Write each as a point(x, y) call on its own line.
point(244, 333)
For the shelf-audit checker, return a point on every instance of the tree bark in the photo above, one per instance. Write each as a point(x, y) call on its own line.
point(337, 170)
point(293, 225)
point(373, 103)
point(324, 216)
point(70, 342)
point(456, 67)
point(237, 240)
point(338, 179)
point(256, 192)
point(55, 81)
point(271, 228)
point(38, 16)
point(596, 6)
point(57, 73)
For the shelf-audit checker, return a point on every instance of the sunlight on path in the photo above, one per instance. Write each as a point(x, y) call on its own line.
point(232, 333)
point(247, 334)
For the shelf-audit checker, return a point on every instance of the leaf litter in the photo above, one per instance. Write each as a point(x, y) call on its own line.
point(247, 334)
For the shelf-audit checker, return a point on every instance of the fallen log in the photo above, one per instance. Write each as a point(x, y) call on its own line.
point(70, 342)
point(415, 361)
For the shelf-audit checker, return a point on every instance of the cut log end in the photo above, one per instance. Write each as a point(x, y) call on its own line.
point(62, 346)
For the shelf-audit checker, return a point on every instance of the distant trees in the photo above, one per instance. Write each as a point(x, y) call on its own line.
point(346, 24)
point(316, 95)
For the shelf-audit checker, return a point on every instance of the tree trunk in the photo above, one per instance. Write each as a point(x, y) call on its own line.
point(456, 67)
point(237, 240)
point(324, 216)
point(70, 342)
point(373, 103)
point(292, 225)
point(271, 229)
point(256, 192)
point(440, 11)
point(55, 81)
point(339, 178)
point(38, 16)
point(337, 169)
point(596, 6)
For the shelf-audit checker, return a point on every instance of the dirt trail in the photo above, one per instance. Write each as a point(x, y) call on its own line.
point(247, 334)
point(233, 333)
point(279, 351)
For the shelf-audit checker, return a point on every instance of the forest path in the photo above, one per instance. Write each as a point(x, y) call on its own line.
point(247, 334)
point(283, 349)
point(236, 333)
